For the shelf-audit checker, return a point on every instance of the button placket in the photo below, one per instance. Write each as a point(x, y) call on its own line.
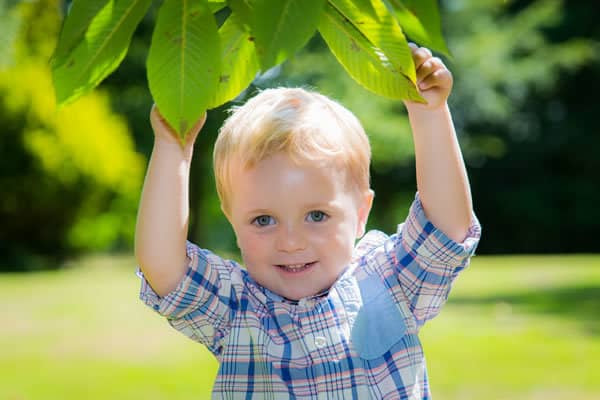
point(318, 340)
point(310, 336)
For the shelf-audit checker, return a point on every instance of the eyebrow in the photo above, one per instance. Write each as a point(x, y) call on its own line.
point(312, 206)
point(258, 211)
point(330, 204)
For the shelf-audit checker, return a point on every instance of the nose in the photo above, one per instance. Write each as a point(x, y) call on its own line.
point(290, 239)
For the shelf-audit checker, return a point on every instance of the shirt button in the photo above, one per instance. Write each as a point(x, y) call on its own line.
point(320, 342)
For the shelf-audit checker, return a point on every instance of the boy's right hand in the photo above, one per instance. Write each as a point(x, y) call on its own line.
point(165, 135)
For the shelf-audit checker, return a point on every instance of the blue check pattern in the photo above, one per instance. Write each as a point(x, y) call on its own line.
point(357, 341)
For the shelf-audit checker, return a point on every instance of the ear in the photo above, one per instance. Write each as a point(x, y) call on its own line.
point(365, 203)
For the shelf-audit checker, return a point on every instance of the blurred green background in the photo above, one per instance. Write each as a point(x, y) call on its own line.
point(522, 323)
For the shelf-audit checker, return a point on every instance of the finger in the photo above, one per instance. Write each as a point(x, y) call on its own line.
point(420, 55)
point(441, 78)
point(158, 121)
point(428, 67)
point(193, 132)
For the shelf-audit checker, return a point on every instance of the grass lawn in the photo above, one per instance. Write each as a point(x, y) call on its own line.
point(514, 328)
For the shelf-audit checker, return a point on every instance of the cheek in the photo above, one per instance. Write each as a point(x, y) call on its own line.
point(252, 247)
point(339, 238)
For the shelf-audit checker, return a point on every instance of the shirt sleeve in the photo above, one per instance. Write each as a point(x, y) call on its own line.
point(202, 305)
point(428, 261)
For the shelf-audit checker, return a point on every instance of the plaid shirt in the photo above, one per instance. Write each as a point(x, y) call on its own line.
point(357, 341)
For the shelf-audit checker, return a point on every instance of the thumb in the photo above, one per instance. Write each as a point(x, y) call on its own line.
point(193, 132)
point(160, 124)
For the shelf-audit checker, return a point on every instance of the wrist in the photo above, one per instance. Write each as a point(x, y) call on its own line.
point(174, 148)
point(412, 106)
point(419, 109)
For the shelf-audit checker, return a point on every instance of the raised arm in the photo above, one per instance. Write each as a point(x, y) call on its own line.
point(162, 221)
point(441, 175)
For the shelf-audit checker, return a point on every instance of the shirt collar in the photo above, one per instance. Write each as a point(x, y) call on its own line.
point(306, 302)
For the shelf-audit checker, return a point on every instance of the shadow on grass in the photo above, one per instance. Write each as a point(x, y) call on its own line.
point(577, 303)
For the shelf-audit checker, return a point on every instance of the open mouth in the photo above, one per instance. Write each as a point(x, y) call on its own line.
point(296, 268)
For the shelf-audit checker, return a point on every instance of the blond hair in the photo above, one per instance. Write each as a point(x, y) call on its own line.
point(305, 125)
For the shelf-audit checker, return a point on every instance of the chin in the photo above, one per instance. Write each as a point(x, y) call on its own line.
point(294, 296)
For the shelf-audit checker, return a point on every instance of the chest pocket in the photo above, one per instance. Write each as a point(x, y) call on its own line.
point(379, 323)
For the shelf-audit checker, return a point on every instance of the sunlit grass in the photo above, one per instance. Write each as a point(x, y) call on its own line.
point(519, 328)
point(515, 328)
point(81, 333)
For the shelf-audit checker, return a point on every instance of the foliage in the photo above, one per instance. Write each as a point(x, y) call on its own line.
point(70, 176)
point(359, 48)
point(190, 63)
point(526, 83)
point(524, 103)
point(93, 44)
point(9, 21)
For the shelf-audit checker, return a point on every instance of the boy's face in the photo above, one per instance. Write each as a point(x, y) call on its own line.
point(295, 224)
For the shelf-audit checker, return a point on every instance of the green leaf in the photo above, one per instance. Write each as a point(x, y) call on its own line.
point(241, 13)
point(239, 64)
point(282, 27)
point(366, 63)
point(374, 21)
point(184, 61)
point(99, 51)
point(216, 5)
point(81, 14)
point(421, 21)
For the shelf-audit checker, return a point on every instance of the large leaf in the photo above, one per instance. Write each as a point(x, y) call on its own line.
point(239, 64)
point(375, 22)
point(81, 14)
point(241, 13)
point(216, 5)
point(184, 61)
point(99, 51)
point(365, 62)
point(279, 27)
point(420, 19)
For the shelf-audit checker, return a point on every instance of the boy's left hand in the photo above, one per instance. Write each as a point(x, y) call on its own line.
point(434, 80)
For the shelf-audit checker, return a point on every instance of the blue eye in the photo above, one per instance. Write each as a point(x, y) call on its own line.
point(263, 220)
point(317, 216)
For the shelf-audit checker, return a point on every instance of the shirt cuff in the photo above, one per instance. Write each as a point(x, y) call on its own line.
point(420, 235)
point(189, 293)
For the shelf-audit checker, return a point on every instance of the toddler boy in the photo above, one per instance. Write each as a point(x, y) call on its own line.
point(311, 314)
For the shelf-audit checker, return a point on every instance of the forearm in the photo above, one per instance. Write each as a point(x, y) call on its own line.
point(441, 174)
point(162, 223)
